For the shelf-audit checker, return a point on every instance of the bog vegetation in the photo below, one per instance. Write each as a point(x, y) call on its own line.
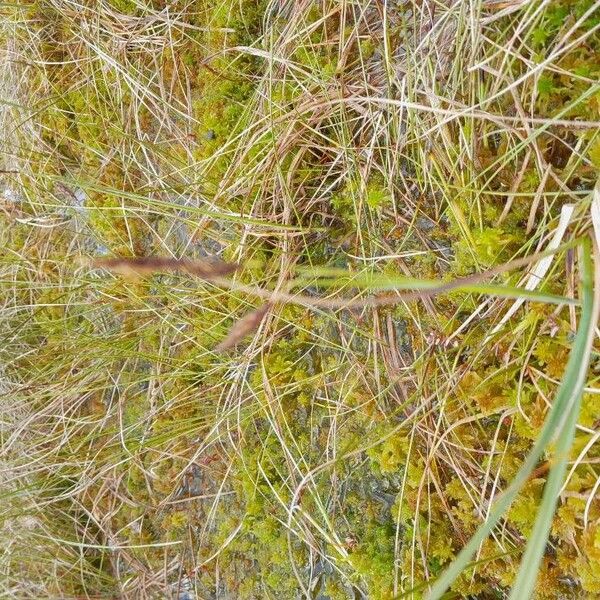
point(298, 299)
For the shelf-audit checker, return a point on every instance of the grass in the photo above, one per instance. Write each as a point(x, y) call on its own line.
point(387, 387)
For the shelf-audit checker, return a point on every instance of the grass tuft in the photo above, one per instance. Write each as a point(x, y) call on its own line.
point(299, 299)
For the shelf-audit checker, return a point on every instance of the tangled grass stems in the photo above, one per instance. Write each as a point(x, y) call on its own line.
point(385, 176)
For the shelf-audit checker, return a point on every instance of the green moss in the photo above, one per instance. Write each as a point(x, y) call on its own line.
point(208, 450)
point(373, 560)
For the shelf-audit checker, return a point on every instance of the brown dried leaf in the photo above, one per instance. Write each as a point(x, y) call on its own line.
point(243, 327)
point(145, 265)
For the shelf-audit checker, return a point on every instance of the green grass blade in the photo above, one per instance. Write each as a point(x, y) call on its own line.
point(389, 284)
point(571, 387)
point(527, 576)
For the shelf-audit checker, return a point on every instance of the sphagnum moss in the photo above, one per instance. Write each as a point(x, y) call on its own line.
point(333, 453)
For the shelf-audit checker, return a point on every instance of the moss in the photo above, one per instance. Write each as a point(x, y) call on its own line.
point(373, 560)
point(166, 423)
point(392, 454)
point(127, 7)
point(487, 246)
